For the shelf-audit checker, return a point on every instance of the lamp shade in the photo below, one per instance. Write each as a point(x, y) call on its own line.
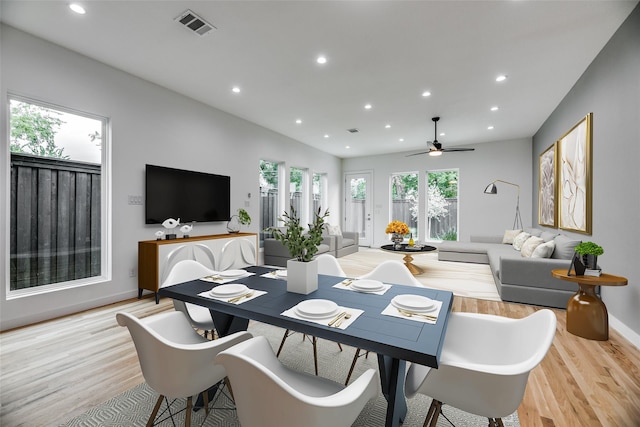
point(491, 189)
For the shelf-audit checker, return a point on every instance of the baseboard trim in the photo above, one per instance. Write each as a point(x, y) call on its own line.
point(625, 331)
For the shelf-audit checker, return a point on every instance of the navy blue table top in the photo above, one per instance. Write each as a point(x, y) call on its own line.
point(399, 338)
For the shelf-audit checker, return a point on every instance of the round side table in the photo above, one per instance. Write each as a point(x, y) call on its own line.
point(587, 315)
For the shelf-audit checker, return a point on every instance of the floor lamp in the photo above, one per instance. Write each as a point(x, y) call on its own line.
point(492, 189)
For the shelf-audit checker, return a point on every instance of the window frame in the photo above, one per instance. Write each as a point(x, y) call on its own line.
point(105, 200)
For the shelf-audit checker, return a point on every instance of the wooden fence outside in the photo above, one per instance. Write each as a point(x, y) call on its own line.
point(55, 221)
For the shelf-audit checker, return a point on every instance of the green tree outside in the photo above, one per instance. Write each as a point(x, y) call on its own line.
point(33, 130)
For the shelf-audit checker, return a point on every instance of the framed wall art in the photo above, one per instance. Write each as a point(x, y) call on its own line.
point(575, 177)
point(547, 165)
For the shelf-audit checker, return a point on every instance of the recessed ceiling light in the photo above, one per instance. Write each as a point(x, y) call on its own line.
point(426, 93)
point(442, 134)
point(501, 78)
point(77, 8)
point(494, 108)
point(347, 146)
point(235, 89)
point(387, 126)
point(321, 59)
point(367, 107)
point(490, 128)
point(298, 121)
point(326, 135)
point(401, 140)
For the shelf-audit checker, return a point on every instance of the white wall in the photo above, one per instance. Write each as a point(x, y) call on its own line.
point(149, 125)
point(479, 213)
point(610, 89)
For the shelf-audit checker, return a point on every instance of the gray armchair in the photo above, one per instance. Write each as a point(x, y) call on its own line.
point(277, 254)
point(342, 242)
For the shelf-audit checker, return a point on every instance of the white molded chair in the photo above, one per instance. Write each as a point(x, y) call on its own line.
point(175, 361)
point(268, 394)
point(184, 271)
point(392, 271)
point(327, 264)
point(484, 364)
point(389, 271)
point(237, 253)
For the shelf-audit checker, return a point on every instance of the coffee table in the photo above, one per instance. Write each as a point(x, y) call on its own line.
point(408, 253)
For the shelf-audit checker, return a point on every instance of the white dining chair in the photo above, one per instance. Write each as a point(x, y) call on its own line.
point(484, 365)
point(389, 271)
point(269, 394)
point(199, 316)
point(327, 264)
point(175, 361)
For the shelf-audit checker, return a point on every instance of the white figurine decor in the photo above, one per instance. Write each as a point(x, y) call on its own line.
point(170, 224)
point(159, 234)
point(186, 229)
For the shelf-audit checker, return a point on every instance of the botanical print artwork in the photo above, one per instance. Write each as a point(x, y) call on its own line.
point(575, 186)
point(547, 191)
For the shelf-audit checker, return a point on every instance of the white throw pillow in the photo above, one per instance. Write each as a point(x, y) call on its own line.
point(520, 239)
point(530, 245)
point(334, 230)
point(509, 235)
point(544, 250)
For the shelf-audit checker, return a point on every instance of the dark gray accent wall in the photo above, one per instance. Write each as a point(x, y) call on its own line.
point(610, 88)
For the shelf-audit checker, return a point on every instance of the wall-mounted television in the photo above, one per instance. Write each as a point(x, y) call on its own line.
point(187, 195)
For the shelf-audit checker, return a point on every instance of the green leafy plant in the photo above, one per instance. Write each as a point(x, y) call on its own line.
point(244, 217)
point(301, 245)
point(589, 248)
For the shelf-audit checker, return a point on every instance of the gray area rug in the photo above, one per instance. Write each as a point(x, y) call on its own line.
point(132, 408)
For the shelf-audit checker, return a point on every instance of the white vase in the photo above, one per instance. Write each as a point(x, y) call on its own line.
point(302, 277)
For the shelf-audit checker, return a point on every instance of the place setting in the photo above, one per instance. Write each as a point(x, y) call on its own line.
point(367, 286)
point(276, 274)
point(323, 312)
point(234, 293)
point(414, 307)
point(221, 277)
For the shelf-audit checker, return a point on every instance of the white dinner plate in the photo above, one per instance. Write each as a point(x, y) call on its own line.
point(317, 308)
point(281, 273)
point(367, 285)
point(228, 274)
point(415, 303)
point(229, 291)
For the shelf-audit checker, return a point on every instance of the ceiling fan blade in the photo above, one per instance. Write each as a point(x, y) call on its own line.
point(458, 149)
point(416, 154)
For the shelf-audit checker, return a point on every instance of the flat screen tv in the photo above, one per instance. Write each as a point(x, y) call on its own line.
point(187, 195)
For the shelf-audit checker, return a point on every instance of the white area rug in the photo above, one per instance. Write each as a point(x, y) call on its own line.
point(461, 278)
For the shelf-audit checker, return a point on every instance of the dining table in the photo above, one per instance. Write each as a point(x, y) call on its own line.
point(395, 339)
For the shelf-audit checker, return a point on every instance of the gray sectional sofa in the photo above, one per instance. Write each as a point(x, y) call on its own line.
point(519, 278)
point(338, 245)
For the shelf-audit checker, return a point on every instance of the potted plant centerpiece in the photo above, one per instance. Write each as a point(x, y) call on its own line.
point(589, 252)
point(302, 270)
point(242, 218)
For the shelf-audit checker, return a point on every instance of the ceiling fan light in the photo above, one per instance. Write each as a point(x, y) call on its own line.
point(435, 153)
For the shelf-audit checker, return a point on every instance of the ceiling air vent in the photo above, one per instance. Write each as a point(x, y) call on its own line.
point(193, 22)
point(353, 130)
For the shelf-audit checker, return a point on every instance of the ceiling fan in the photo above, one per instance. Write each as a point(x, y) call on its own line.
point(436, 148)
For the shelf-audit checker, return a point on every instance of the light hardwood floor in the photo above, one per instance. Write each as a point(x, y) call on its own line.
point(58, 369)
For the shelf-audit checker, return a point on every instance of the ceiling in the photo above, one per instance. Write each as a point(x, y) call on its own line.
point(385, 53)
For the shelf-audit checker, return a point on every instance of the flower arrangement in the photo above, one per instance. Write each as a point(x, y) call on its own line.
point(397, 227)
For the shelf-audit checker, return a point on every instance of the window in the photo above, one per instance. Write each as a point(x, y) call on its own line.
point(298, 192)
point(269, 196)
point(59, 215)
point(442, 205)
point(319, 192)
point(404, 200)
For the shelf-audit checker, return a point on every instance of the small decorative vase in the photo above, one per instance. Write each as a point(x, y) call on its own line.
point(233, 226)
point(590, 261)
point(302, 277)
point(397, 239)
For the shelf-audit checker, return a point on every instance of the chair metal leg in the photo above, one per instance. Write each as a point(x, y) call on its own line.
point(353, 363)
point(495, 422)
point(187, 415)
point(205, 398)
point(433, 414)
point(314, 342)
point(155, 411)
point(284, 338)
